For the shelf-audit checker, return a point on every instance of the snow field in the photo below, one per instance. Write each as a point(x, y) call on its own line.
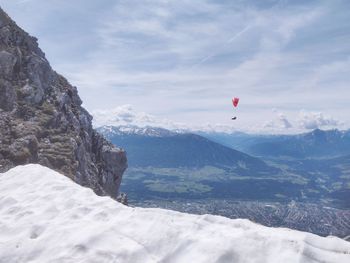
point(45, 217)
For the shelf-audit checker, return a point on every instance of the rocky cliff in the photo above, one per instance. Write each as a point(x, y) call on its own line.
point(42, 121)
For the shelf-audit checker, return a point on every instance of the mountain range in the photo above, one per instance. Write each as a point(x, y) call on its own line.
point(158, 147)
point(205, 173)
point(315, 144)
point(168, 163)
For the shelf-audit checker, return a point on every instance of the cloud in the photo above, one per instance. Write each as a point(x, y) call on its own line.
point(126, 115)
point(303, 121)
point(183, 60)
point(279, 123)
point(314, 120)
point(24, 1)
point(184, 48)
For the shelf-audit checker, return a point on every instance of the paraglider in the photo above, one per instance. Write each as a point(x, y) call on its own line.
point(235, 104)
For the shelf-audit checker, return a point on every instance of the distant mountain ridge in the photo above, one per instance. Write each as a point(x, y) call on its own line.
point(168, 165)
point(159, 147)
point(315, 144)
point(135, 130)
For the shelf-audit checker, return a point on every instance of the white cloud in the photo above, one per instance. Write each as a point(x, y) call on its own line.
point(183, 60)
point(314, 120)
point(24, 1)
point(279, 123)
point(126, 115)
point(303, 121)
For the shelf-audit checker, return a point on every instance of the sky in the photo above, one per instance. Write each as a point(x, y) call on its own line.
point(177, 64)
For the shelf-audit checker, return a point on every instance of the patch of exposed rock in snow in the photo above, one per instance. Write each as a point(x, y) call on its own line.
point(45, 217)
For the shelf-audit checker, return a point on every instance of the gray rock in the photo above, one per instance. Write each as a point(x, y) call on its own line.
point(122, 198)
point(32, 94)
point(7, 64)
point(42, 121)
point(8, 96)
point(24, 150)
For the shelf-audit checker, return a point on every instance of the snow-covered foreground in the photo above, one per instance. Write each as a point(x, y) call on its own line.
point(45, 217)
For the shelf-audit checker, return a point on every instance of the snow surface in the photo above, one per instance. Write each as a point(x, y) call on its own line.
point(45, 217)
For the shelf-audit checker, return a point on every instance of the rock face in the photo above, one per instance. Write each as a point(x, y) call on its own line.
point(42, 121)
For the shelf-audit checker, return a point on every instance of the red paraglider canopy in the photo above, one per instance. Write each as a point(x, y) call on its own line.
point(235, 101)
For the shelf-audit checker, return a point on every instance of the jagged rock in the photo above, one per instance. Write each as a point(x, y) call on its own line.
point(122, 198)
point(7, 64)
point(8, 96)
point(42, 121)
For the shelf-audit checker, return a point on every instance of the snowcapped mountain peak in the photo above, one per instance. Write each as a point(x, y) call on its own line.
point(109, 131)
